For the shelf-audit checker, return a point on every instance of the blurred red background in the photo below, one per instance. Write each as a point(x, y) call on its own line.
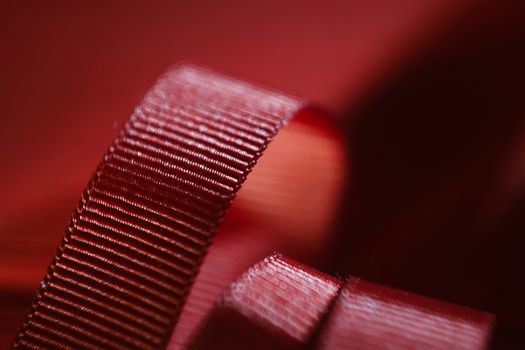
point(429, 94)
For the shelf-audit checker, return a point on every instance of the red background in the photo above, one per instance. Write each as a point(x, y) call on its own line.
point(430, 94)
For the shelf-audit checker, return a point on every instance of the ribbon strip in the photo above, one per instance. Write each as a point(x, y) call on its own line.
point(276, 304)
point(282, 304)
point(145, 222)
point(147, 217)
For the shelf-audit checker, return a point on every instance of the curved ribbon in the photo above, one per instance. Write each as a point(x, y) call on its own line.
point(138, 236)
point(147, 218)
point(279, 303)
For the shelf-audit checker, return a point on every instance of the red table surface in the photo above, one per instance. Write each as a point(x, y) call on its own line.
point(430, 93)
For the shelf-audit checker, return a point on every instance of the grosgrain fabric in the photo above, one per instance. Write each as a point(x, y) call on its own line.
point(368, 316)
point(145, 222)
point(280, 303)
point(138, 236)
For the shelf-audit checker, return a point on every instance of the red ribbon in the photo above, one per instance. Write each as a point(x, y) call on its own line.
point(279, 303)
point(134, 246)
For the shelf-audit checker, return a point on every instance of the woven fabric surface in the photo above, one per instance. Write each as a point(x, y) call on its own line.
point(146, 219)
point(281, 303)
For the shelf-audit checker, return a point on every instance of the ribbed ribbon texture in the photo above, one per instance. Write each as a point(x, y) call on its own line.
point(136, 241)
point(146, 219)
point(280, 303)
